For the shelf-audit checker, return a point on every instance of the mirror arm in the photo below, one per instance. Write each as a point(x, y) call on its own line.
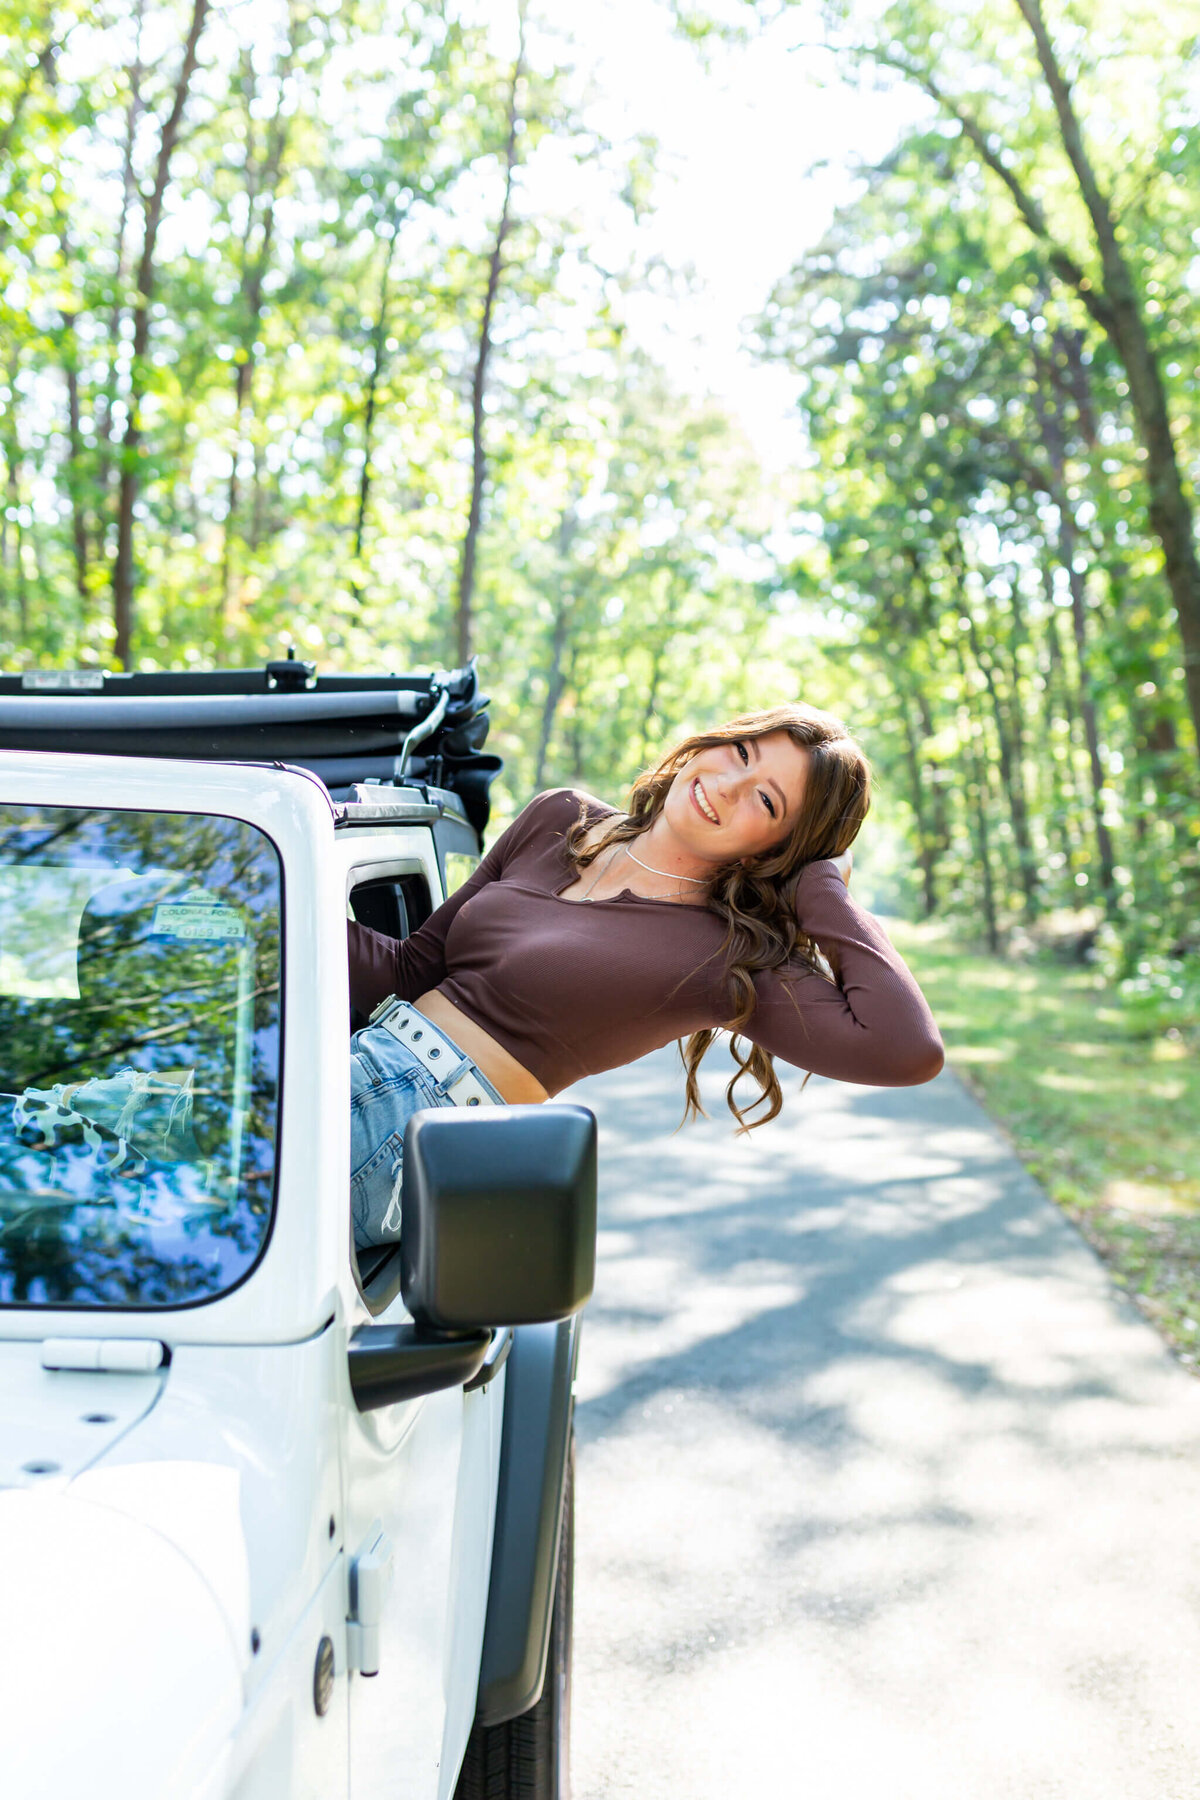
point(389, 1363)
point(494, 1361)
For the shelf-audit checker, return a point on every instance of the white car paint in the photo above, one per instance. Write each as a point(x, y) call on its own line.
point(57, 1422)
point(175, 1572)
point(132, 1634)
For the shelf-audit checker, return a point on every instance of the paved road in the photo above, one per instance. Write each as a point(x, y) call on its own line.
point(883, 1491)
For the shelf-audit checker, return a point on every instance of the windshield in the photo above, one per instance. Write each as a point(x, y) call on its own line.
point(139, 1055)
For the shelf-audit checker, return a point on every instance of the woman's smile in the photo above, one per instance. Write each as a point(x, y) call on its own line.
point(702, 803)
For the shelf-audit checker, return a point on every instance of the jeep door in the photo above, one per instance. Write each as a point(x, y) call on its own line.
point(420, 1484)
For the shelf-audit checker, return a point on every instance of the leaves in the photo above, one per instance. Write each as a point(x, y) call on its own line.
point(992, 473)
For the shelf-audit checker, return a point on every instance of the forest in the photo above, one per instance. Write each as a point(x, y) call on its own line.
point(304, 340)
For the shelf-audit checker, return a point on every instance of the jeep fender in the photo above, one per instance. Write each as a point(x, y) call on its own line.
point(533, 1458)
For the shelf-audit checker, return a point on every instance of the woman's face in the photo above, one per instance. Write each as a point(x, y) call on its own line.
point(736, 800)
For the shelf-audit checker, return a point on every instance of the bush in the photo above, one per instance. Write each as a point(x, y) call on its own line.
point(1163, 995)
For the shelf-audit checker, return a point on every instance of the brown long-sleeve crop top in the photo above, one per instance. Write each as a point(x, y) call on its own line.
point(570, 988)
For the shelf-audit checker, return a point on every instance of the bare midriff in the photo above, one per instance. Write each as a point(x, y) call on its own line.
point(506, 1074)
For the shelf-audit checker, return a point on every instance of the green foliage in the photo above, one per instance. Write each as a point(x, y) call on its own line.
point(986, 485)
point(977, 564)
point(302, 459)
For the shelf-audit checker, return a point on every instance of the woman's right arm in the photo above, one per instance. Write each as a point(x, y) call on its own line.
point(382, 965)
point(872, 1024)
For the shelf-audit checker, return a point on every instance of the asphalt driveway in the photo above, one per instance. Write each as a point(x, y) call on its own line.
point(883, 1490)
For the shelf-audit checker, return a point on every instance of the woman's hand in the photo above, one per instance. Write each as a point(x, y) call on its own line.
point(843, 864)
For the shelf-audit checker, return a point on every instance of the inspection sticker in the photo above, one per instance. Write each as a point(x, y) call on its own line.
point(207, 922)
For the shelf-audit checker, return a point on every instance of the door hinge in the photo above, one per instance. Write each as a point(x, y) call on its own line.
point(370, 1578)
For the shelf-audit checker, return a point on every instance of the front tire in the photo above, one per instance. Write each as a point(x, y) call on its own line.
point(528, 1758)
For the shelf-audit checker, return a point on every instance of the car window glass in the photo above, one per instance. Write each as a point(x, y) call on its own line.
point(458, 867)
point(139, 1055)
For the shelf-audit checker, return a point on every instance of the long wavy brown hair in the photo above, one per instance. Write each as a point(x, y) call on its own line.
point(755, 897)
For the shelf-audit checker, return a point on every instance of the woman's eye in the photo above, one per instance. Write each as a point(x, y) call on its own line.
point(767, 802)
point(741, 750)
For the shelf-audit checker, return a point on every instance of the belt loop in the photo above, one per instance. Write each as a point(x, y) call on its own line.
point(447, 1081)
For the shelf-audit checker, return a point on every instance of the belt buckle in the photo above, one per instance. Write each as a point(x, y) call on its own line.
point(384, 1010)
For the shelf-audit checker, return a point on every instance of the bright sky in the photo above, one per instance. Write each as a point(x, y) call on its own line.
point(755, 153)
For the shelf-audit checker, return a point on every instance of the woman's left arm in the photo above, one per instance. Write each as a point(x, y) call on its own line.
point(873, 1024)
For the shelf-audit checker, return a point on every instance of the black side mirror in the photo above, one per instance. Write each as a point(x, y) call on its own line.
point(498, 1228)
point(498, 1216)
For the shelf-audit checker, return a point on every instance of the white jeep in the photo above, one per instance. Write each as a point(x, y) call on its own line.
point(276, 1520)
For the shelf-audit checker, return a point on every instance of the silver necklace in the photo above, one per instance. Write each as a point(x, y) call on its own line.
point(696, 880)
point(650, 870)
point(605, 866)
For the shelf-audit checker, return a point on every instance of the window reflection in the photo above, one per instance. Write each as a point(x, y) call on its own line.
point(139, 1050)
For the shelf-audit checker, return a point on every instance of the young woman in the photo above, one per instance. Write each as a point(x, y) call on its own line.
point(588, 936)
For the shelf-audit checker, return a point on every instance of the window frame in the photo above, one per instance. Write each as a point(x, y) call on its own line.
point(379, 1288)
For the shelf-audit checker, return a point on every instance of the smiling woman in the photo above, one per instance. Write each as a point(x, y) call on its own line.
point(589, 936)
point(743, 811)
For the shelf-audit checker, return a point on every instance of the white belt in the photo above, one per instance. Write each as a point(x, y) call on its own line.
point(458, 1080)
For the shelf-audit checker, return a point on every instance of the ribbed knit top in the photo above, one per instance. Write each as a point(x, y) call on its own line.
point(569, 988)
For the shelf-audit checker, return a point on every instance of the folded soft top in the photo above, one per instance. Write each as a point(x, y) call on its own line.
point(346, 729)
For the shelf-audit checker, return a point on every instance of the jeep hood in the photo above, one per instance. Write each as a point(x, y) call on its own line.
point(117, 1664)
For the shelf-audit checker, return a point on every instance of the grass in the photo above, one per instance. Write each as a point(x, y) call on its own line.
point(1101, 1100)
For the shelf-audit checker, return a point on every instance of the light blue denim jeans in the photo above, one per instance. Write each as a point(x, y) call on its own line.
point(388, 1084)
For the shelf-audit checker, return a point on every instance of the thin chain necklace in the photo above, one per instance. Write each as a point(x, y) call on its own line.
point(697, 880)
point(609, 861)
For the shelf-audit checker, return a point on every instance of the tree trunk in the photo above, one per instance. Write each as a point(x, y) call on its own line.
point(556, 686)
point(1113, 303)
point(1017, 639)
point(1091, 733)
point(1169, 508)
point(374, 381)
point(1166, 860)
point(977, 799)
point(1053, 437)
point(259, 505)
point(1010, 777)
point(919, 802)
point(260, 180)
point(122, 583)
point(76, 487)
point(14, 548)
point(464, 621)
point(1064, 787)
point(75, 475)
point(560, 643)
point(108, 392)
point(939, 806)
point(651, 702)
point(576, 739)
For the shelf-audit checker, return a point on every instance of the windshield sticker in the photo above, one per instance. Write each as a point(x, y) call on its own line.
point(183, 920)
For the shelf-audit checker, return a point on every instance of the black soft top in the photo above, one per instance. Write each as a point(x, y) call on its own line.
point(410, 730)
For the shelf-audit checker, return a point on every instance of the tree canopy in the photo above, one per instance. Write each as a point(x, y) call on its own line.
point(305, 335)
point(997, 342)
